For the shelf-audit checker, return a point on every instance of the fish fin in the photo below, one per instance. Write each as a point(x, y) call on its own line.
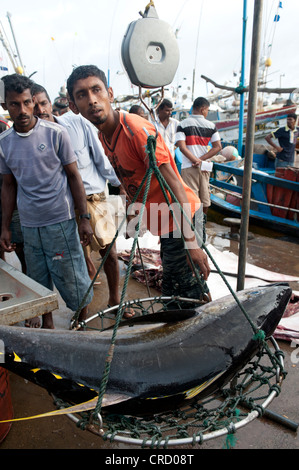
point(88, 405)
point(110, 399)
point(196, 390)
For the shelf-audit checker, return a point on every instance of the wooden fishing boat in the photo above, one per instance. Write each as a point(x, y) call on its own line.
point(274, 194)
point(265, 122)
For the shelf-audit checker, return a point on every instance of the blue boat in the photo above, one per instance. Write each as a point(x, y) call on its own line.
point(274, 200)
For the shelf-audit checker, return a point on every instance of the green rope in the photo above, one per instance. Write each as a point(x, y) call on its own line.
point(109, 357)
point(163, 184)
point(77, 313)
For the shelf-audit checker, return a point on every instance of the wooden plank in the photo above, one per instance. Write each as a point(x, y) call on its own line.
point(21, 298)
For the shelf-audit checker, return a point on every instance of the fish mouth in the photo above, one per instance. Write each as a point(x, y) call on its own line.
point(270, 321)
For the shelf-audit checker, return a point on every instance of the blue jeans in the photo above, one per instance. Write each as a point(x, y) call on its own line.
point(15, 227)
point(54, 255)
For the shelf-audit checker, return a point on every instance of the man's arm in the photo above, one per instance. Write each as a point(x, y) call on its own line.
point(79, 196)
point(216, 148)
point(8, 202)
point(269, 139)
point(197, 254)
point(185, 151)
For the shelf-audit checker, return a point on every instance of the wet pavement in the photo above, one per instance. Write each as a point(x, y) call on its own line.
point(275, 254)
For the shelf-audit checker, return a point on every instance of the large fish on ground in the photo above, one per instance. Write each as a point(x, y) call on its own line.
point(164, 357)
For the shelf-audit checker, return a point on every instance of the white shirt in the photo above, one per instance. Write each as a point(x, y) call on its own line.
point(94, 166)
point(168, 133)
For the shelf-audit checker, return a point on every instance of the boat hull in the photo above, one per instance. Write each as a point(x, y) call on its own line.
point(274, 197)
point(274, 225)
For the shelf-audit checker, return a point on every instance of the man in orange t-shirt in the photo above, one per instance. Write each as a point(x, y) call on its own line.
point(124, 138)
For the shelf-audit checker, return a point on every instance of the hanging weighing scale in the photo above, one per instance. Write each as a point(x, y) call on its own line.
point(150, 53)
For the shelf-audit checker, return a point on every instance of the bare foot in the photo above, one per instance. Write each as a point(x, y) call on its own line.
point(33, 323)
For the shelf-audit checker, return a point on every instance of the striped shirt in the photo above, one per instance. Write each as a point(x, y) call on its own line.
point(197, 132)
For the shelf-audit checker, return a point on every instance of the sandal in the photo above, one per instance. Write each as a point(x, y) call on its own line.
point(128, 312)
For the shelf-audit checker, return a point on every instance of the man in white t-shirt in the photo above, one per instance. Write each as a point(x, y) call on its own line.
point(39, 169)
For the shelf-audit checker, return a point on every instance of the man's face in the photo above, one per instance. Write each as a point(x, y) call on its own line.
point(291, 122)
point(92, 99)
point(165, 113)
point(141, 113)
point(43, 107)
point(20, 107)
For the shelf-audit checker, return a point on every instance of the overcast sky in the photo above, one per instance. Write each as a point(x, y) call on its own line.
point(54, 36)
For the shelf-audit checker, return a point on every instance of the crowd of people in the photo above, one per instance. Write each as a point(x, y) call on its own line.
point(55, 162)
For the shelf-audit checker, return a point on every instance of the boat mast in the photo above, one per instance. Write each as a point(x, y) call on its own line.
point(249, 143)
point(7, 48)
point(15, 42)
point(18, 68)
point(195, 60)
point(242, 78)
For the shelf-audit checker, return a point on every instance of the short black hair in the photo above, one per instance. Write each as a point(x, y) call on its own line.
point(17, 83)
point(201, 102)
point(165, 104)
point(292, 115)
point(36, 89)
point(81, 72)
point(135, 108)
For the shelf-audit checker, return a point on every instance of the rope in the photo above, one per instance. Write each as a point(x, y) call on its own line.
point(76, 314)
point(164, 184)
point(147, 178)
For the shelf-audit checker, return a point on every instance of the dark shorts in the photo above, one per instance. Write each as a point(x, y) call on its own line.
point(178, 279)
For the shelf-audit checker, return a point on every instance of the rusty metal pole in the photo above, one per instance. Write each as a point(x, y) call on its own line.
point(249, 142)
